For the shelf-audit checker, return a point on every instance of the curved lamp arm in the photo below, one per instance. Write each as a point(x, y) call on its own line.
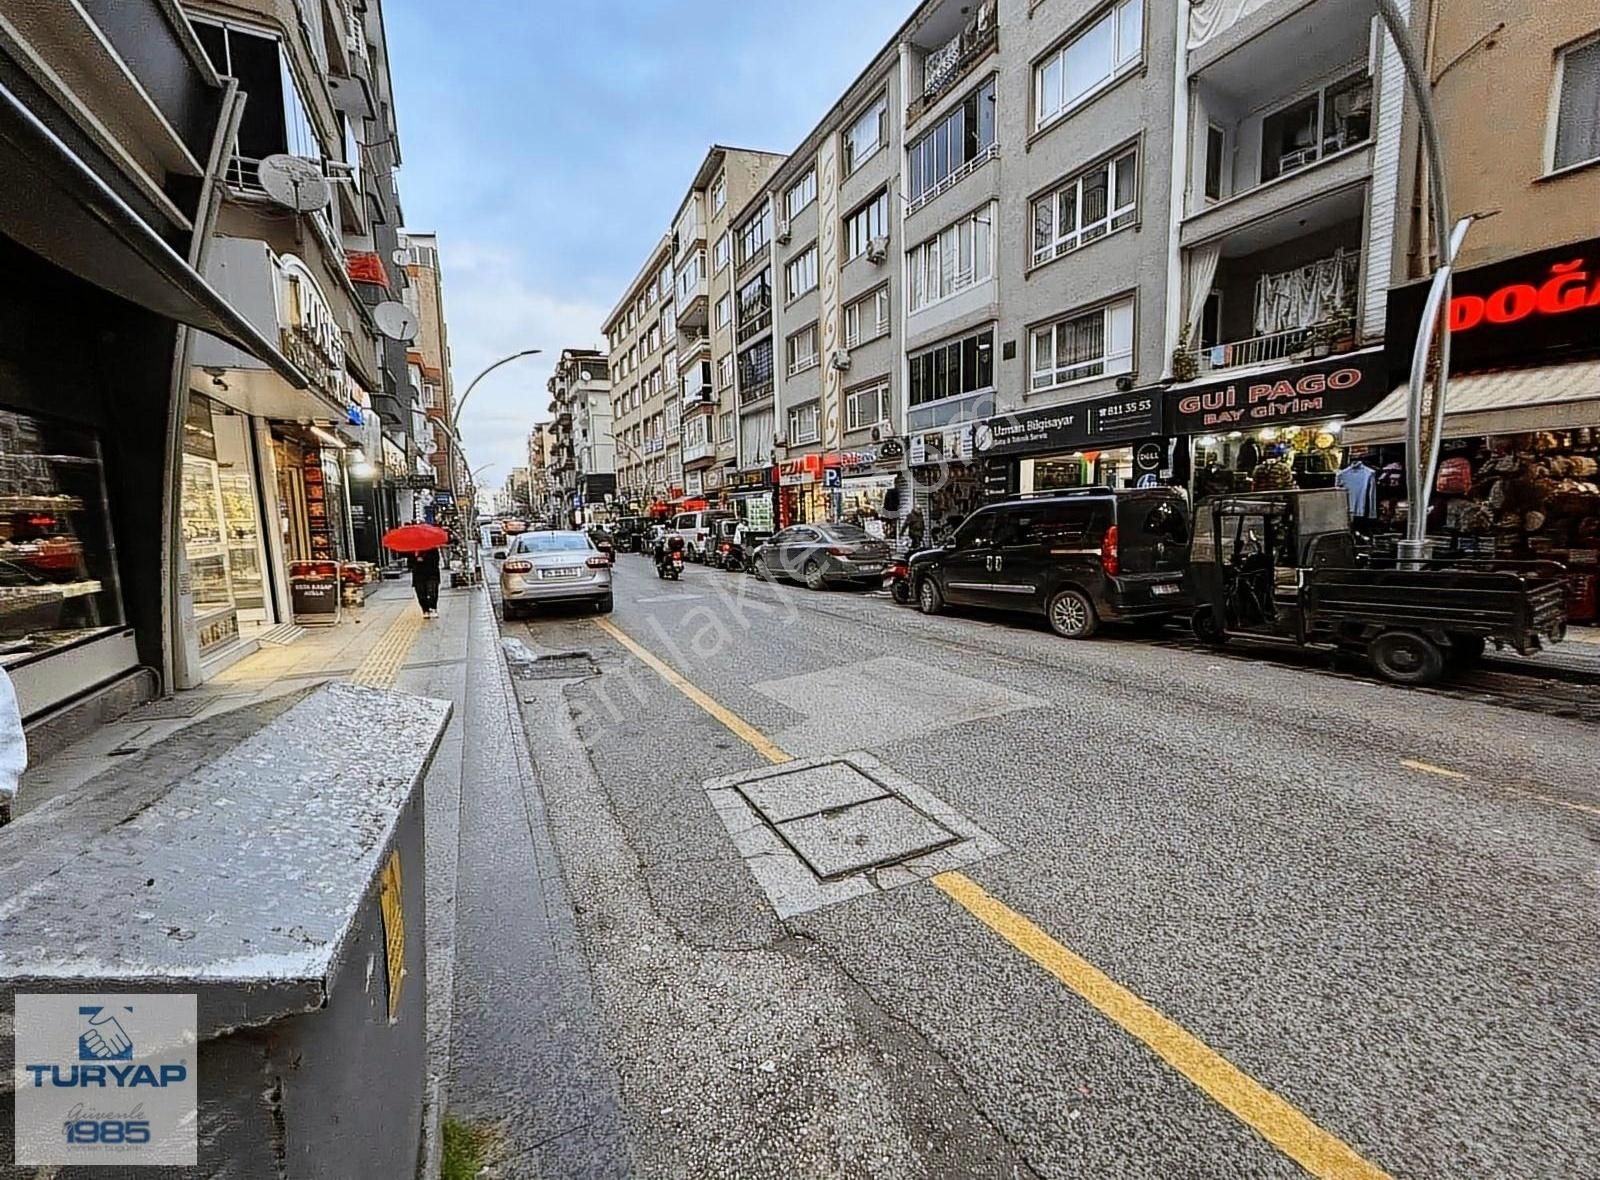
point(455, 418)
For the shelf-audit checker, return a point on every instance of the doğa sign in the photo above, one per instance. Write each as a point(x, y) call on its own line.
point(1508, 313)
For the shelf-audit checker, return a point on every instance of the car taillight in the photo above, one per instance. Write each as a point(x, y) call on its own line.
point(518, 567)
point(598, 563)
point(1110, 559)
point(838, 552)
point(724, 548)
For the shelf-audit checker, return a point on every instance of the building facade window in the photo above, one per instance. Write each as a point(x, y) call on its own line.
point(867, 406)
point(1327, 121)
point(1097, 343)
point(962, 137)
point(1088, 61)
point(755, 369)
point(276, 119)
point(800, 275)
point(725, 426)
point(957, 257)
point(724, 312)
point(754, 236)
point(865, 223)
point(755, 303)
point(805, 424)
point(800, 195)
point(801, 350)
point(669, 322)
point(1099, 200)
point(691, 275)
point(1577, 129)
point(664, 281)
point(719, 193)
point(725, 371)
point(867, 136)
point(721, 253)
point(867, 318)
point(953, 368)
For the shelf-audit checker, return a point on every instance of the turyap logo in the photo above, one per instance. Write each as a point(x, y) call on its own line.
point(104, 1039)
point(105, 1079)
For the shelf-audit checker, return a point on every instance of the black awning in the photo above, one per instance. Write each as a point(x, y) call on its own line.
point(56, 205)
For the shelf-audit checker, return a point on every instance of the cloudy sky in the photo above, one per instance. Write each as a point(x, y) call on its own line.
point(549, 146)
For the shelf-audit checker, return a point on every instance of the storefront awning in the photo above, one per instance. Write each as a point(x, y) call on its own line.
point(1504, 401)
point(60, 208)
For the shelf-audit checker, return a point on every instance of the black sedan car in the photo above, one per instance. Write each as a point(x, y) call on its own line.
point(822, 555)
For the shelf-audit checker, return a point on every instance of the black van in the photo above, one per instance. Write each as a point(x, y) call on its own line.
point(1079, 557)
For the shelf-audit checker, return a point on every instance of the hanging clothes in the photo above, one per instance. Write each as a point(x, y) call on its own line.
point(1360, 484)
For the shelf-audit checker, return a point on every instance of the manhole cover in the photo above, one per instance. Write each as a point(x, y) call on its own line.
point(184, 705)
point(841, 821)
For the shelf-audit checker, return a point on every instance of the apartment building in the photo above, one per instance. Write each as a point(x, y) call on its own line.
point(705, 287)
point(583, 464)
point(641, 342)
point(429, 354)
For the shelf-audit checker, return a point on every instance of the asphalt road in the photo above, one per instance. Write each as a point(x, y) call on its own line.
point(1357, 925)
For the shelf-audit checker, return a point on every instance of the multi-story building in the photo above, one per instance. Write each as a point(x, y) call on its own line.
point(641, 342)
point(705, 290)
point(541, 451)
point(430, 354)
point(584, 460)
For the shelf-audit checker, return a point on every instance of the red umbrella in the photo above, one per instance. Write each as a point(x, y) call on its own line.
point(415, 538)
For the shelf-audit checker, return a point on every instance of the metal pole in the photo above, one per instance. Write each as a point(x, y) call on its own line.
point(1425, 417)
point(455, 413)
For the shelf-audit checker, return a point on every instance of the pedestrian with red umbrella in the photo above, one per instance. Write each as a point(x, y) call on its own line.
point(421, 543)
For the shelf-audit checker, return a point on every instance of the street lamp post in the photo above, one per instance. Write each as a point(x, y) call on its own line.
point(454, 430)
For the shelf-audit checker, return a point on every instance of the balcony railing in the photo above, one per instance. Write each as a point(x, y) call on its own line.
point(953, 61)
point(755, 318)
point(755, 392)
point(1303, 343)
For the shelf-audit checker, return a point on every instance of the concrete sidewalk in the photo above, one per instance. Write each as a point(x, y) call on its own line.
point(1575, 659)
point(385, 643)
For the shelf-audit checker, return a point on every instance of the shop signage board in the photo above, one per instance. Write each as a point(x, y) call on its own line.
point(1338, 387)
point(756, 480)
point(1149, 458)
point(891, 451)
point(310, 335)
point(799, 472)
point(1528, 309)
point(1121, 418)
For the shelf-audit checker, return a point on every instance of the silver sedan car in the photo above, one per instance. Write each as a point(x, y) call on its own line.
point(553, 567)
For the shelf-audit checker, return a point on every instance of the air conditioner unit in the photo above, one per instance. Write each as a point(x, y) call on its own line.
point(840, 360)
point(784, 232)
point(877, 249)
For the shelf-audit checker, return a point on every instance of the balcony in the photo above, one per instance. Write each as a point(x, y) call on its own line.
point(1274, 298)
point(699, 451)
point(755, 391)
point(692, 346)
point(697, 388)
point(947, 65)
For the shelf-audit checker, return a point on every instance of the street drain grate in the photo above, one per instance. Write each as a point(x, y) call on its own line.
point(817, 832)
point(840, 820)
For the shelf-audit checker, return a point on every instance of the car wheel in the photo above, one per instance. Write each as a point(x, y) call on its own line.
point(930, 599)
point(1404, 657)
point(507, 612)
point(815, 575)
point(606, 604)
point(1204, 625)
point(1072, 615)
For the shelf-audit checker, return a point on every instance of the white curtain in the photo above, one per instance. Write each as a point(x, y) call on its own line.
point(1202, 267)
point(1306, 295)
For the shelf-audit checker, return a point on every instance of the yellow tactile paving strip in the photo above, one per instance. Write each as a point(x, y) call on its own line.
point(381, 667)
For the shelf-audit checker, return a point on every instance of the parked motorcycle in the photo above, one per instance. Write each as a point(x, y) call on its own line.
point(669, 558)
point(897, 579)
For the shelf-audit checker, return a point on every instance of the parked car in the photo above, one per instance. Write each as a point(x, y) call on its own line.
point(822, 555)
point(628, 533)
point(553, 567)
point(1079, 557)
point(695, 528)
point(493, 538)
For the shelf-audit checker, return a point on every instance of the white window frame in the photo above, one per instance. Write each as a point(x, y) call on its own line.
point(853, 248)
point(806, 186)
point(1553, 125)
point(1049, 109)
point(854, 151)
point(725, 426)
point(724, 312)
point(800, 362)
point(803, 267)
point(719, 193)
point(693, 269)
point(722, 253)
point(938, 262)
point(1117, 347)
point(725, 371)
point(1119, 215)
point(880, 318)
point(798, 416)
point(878, 391)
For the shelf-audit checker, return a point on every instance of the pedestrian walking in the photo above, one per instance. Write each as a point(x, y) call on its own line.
point(13, 747)
point(425, 581)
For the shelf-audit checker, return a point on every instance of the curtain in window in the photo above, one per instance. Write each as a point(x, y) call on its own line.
point(1307, 295)
point(1578, 120)
point(1202, 272)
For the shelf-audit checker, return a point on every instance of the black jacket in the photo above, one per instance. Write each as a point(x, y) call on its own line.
point(425, 568)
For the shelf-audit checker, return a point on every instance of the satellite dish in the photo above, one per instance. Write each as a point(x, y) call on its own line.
point(401, 257)
point(396, 321)
point(295, 182)
point(586, 375)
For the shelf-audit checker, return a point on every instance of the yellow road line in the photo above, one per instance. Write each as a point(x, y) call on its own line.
point(740, 728)
point(1526, 793)
point(1280, 1123)
point(1429, 768)
point(381, 668)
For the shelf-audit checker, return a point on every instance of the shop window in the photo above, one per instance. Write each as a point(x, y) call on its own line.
point(58, 582)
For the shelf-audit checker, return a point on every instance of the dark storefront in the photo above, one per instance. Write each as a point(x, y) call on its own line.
point(1112, 442)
